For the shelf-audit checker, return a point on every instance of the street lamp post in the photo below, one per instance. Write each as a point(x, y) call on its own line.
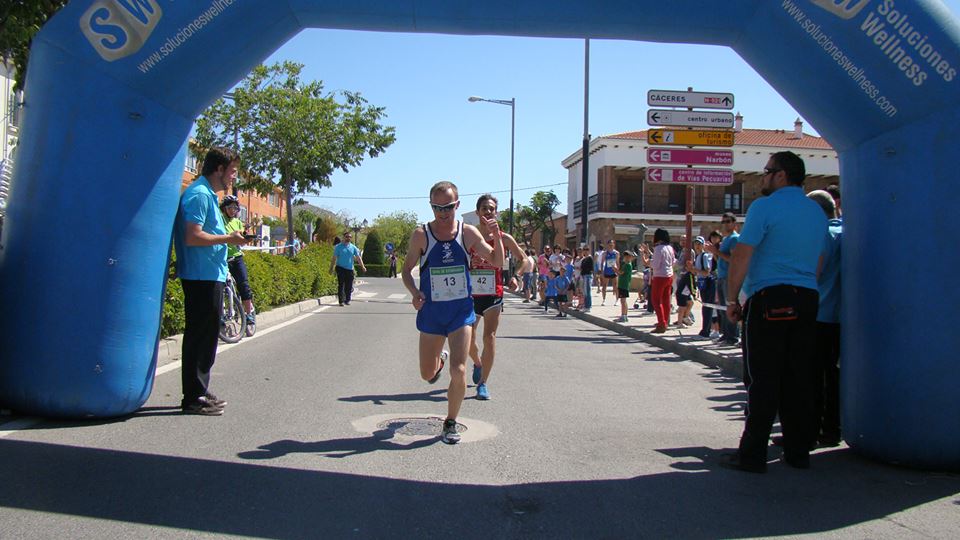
point(512, 102)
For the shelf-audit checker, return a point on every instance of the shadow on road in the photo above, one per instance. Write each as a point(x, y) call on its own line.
point(336, 448)
point(248, 499)
point(436, 396)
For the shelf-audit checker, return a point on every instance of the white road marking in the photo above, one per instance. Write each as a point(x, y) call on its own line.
point(397, 296)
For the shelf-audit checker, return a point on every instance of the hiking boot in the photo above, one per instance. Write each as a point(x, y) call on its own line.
point(449, 434)
point(482, 393)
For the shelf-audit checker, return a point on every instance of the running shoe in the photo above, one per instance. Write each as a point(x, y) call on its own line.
point(714, 335)
point(443, 360)
point(477, 373)
point(482, 392)
point(449, 434)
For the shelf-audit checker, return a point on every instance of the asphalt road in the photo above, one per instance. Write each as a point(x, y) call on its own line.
point(328, 435)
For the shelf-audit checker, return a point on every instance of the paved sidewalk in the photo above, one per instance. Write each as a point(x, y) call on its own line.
point(684, 342)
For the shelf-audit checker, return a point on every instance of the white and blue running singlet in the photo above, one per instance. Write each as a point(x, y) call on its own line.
point(445, 283)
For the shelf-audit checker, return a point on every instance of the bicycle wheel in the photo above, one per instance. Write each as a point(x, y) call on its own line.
point(233, 321)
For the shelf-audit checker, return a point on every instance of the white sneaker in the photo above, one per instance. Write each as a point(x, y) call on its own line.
point(603, 303)
point(714, 335)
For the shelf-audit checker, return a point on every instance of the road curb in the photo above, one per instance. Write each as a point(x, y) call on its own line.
point(732, 365)
point(168, 349)
point(704, 352)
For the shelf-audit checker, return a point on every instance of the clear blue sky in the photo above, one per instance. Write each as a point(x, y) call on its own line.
point(424, 81)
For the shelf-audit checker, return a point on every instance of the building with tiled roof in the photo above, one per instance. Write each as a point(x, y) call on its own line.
point(620, 197)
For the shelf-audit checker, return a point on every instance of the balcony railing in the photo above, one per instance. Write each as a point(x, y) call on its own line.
point(658, 204)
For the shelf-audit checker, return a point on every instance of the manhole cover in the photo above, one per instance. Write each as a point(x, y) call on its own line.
point(416, 427)
point(407, 428)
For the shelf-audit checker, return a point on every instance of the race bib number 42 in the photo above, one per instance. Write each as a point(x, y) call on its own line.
point(448, 283)
point(484, 282)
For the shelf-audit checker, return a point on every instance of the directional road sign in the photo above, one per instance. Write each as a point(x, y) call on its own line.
point(711, 177)
point(701, 100)
point(692, 137)
point(678, 156)
point(666, 117)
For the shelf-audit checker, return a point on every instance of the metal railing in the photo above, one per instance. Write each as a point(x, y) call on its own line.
point(6, 176)
point(659, 204)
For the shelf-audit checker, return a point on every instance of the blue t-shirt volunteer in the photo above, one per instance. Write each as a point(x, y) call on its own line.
point(829, 281)
point(787, 231)
point(345, 253)
point(199, 204)
point(726, 247)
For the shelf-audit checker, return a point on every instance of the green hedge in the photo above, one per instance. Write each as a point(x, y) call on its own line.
point(276, 280)
point(380, 270)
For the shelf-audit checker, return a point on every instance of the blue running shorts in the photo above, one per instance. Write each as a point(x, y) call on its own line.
point(443, 318)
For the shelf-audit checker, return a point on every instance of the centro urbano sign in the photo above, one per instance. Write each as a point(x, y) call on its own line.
point(119, 28)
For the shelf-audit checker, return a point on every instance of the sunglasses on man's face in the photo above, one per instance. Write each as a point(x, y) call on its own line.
point(444, 207)
point(770, 170)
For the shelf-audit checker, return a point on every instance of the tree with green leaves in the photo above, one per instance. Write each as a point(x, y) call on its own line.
point(396, 228)
point(21, 20)
point(325, 229)
point(373, 248)
point(542, 206)
point(293, 133)
point(303, 220)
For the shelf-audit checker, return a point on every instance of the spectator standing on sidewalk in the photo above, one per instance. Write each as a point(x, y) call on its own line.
point(834, 191)
point(662, 281)
point(344, 255)
point(543, 269)
point(393, 264)
point(686, 289)
point(828, 326)
point(529, 275)
point(586, 278)
point(705, 267)
point(776, 263)
point(611, 269)
point(623, 283)
point(729, 330)
point(200, 240)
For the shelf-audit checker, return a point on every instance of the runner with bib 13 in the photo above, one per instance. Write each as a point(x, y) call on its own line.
point(443, 300)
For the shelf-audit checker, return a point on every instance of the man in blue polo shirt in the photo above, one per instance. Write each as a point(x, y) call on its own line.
point(776, 262)
point(344, 255)
point(200, 240)
point(828, 326)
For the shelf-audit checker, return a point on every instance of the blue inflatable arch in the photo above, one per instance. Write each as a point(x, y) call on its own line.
point(114, 85)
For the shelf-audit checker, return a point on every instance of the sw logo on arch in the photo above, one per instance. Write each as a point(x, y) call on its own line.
point(119, 28)
point(845, 9)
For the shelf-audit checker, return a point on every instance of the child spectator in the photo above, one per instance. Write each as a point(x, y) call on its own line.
point(562, 284)
point(623, 283)
point(550, 291)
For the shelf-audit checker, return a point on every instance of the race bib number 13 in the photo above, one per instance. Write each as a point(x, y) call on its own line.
point(448, 283)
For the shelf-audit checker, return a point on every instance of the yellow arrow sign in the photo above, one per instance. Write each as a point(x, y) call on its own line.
point(690, 137)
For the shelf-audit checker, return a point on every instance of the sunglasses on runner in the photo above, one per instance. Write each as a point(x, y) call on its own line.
point(444, 207)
